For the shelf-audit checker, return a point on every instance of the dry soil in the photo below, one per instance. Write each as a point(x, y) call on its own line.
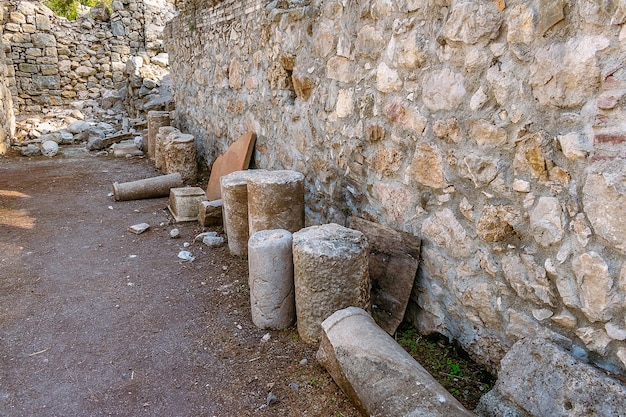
point(97, 321)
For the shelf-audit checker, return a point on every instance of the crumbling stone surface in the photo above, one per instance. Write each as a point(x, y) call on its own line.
point(210, 213)
point(234, 191)
point(276, 201)
point(492, 130)
point(330, 273)
point(184, 202)
point(542, 379)
point(180, 156)
point(155, 120)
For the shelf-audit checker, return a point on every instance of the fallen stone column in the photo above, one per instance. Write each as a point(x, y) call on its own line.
point(160, 145)
point(234, 190)
point(330, 273)
point(376, 373)
point(147, 188)
point(271, 279)
point(156, 119)
point(180, 156)
point(276, 201)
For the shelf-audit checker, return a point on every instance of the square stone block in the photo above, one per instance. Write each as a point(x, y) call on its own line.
point(210, 213)
point(184, 203)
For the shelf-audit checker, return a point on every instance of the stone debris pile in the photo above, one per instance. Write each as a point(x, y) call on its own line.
point(65, 130)
point(114, 55)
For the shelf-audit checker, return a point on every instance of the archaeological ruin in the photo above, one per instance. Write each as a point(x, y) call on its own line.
point(493, 130)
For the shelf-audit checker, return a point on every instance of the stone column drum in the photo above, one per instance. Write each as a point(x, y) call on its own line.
point(180, 156)
point(147, 188)
point(376, 373)
point(271, 279)
point(160, 144)
point(156, 119)
point(330, 273)
point(234, 189)
point(276, 201)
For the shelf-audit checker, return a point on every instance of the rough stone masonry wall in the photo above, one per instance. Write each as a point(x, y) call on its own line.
point(53, 61)
point(7, 118)
point(494, 130)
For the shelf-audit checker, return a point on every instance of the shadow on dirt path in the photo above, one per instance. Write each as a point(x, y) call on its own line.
point(97, 321)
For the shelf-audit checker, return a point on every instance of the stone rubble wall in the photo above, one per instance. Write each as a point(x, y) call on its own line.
point(54, 62)
point(492, 130)
point(7, 117)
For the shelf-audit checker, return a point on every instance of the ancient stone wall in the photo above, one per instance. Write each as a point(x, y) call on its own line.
point(493, 130)
point(55, 61)
point(7, 118)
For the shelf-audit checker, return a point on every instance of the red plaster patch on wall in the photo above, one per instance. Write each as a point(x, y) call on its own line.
point(610, 138)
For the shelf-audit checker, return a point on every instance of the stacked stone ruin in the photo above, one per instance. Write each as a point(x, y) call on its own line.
point(7, 117)
point(112, 59)
point(171, 150)
point(492, 130)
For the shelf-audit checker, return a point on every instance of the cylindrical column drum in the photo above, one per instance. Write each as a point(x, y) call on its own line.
point(180, 156)
point(276, 201)
point(160, 145)
point(271, 279)
point(234, 189)
point(377, 374)
point(148, 188)
point(156, 119)
point(330, 273)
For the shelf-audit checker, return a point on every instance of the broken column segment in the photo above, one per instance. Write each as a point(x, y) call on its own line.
point(330, 273)
point(160, 144)
point(210, 213)
point(376, 373)
point(147, 188)
point(180, 156)
point(156, 119)
point(234, 192)
point(271, 279)
point(276, 201)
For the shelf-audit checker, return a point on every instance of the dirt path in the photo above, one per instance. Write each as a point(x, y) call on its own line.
point(97, 321)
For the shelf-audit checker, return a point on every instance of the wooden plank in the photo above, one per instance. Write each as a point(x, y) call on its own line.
point(393, 262)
